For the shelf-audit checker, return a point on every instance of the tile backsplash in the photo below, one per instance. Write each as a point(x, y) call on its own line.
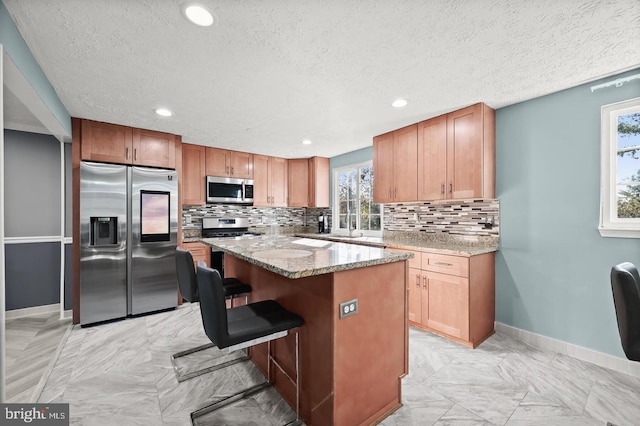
point(468, 217)
point(259, 217)
point(462, 217)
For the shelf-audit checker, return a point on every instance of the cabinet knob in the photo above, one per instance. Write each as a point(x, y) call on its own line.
point(450, 188)
point(418, 281)
point(424, 282)
point(135, 155)
point(395, 192)
point(126, 153)
point(442, 188)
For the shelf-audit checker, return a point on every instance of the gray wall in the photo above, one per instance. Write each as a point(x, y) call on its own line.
point(32, 184)
point(32, 209)
point(68, 277)
point(32, 274)
point(552, 270)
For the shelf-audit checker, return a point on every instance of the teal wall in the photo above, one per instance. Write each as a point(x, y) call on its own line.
point(552, 270)
point(353, 157)
point(18, 51)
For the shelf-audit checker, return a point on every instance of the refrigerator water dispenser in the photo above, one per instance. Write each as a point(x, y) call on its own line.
point(104, 231)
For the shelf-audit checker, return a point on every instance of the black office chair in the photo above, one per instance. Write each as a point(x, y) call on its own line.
point(242, 327)
point(625, 284)
point(189, 289)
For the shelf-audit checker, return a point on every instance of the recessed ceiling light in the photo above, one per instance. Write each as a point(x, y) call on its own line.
point(306, 142)
point(198, 14)
point(399, 103)
point(164, 112)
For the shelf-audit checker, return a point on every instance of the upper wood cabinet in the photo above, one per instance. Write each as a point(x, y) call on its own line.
point(193, 174)
point(155, 149)
point(309, 182)
point(471, 152)
point(222, 162)
point(112, 143)
point(299, 182)
point(395, 165)
point(456, 155)
point(270, 181)
point(432, 158)
point(318, 182)
point(454, 158)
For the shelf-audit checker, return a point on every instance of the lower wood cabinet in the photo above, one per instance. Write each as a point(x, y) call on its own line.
point(453, 296)
point(199, 251)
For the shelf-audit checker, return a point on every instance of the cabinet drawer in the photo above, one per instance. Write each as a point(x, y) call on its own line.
point(445, 264)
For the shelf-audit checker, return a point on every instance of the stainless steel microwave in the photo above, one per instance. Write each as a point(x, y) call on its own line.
point(229, 190)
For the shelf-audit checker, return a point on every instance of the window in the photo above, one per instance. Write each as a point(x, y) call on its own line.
point(620, 170)
point(353, 203)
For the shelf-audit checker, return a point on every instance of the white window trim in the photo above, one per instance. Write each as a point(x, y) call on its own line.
point(336, 204)
point(610, 225)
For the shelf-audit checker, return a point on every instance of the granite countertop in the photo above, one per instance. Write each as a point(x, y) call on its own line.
point(295, 257)
point(437, 243)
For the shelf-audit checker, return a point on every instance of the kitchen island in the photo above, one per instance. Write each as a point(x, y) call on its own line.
point(350, 368)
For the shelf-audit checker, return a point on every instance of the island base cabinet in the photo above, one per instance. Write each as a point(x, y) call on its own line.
point(350, 368)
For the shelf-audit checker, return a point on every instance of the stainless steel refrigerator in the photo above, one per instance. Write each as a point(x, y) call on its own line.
point(128, 236)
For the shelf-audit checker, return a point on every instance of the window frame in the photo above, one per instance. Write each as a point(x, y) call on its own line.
point(335, 211)
point(610, 225)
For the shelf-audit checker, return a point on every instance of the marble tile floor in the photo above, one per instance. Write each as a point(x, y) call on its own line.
point(32, 344)
point(121, 373)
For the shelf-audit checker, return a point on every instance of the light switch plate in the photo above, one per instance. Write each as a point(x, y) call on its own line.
point(348, 308)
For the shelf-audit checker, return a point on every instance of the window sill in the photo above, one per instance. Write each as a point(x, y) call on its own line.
point(613, 232)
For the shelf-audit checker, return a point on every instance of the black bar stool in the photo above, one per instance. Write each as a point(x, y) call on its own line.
point(242, 327)
point(625, 284)
point(189, 289)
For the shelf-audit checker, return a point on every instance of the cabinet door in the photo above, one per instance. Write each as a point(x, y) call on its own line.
point(464, 153)
point(318, 182)
point(193, 174)
point(432, 159)
point(448, 310)
point(405, 152)
point(218, 162)
point(278, 177)
point(154, 149)
point(383, 168)
point(105, 142)
point(415, 295)
point(299, 182)
point(241, 165)
point(261, 196)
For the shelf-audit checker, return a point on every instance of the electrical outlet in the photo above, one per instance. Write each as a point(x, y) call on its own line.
point(348, 308)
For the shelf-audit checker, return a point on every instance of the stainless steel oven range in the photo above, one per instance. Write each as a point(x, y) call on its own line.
point(224, 227)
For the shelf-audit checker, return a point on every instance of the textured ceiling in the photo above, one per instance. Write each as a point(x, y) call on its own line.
point(271, 73)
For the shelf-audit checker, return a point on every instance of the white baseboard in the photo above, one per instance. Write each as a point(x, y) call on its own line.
point(36, 310)
point(622, 365)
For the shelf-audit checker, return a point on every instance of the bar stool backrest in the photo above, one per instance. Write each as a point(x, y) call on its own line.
point(186, 275)
point(212, 305)
point(625, 284)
